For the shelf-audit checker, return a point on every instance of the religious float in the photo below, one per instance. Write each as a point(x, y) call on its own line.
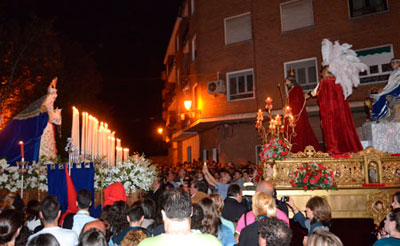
point(96, 158)
point(357, 184)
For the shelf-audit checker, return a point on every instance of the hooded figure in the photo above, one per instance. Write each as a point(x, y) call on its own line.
point(114, 192)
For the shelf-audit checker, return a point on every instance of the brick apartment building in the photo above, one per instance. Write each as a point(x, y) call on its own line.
point(227, 56)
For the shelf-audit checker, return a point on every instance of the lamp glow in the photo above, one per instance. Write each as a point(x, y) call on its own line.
point(188, 104)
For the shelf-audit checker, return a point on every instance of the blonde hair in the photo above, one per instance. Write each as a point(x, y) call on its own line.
point(324, 238)
point(133, 238)
point(263, 205)
point(218, 202)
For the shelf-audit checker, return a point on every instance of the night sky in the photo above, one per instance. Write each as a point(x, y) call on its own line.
point(128, 41)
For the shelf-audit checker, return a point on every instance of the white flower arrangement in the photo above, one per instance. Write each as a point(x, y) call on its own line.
point(136, 173)
point(35, 177)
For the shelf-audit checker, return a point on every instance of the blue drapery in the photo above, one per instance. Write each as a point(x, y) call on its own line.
point(83, 178)
point(29, 131)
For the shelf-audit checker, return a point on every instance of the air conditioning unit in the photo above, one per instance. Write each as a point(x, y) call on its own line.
point(214, 87)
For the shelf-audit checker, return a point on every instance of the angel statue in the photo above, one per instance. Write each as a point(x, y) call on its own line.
point(35, 127)
point(340, 73)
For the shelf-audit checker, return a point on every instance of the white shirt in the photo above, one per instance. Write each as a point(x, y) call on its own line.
point(65, 237)
point(80, 219)
point(32, 224)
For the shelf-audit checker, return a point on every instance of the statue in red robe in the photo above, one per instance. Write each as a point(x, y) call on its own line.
point(303, 133)
point(338, 128)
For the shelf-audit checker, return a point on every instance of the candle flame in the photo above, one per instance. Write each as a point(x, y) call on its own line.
point(20, 142)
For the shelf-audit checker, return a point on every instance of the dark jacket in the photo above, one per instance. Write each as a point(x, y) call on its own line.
point(249, 235)
point(232, 209)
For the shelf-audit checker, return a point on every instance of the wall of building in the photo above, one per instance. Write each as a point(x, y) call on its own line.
point(194, 144)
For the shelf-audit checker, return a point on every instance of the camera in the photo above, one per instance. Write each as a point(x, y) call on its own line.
point(284, 199)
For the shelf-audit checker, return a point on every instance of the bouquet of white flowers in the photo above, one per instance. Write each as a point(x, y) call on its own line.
point(136, 173)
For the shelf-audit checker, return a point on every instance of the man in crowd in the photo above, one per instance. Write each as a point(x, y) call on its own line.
point(135, 218)
point(233, 207)
point(237, 178)
point(274, 232)
point(222, 185)
point(50, 213)
point(176, 213)
point(198, 191)
point(84, 201)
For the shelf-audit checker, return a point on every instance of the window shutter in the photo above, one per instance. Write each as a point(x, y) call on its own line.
point(238, 29)
point(297, 14)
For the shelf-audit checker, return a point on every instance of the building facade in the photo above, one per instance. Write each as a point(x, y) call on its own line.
point(225, 57)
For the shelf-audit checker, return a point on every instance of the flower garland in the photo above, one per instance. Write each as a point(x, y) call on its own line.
point(275, 149)
point(312, 176)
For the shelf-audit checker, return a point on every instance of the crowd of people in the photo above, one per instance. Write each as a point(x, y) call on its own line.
point(203, 205)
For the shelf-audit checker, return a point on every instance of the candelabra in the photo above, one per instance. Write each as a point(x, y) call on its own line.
point(280, 126)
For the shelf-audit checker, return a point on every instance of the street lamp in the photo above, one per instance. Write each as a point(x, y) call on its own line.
point(188, 104)
point(160, 130)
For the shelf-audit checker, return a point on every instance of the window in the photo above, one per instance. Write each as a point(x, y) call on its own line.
point(194, 50)
point(378, 61)
point(238, 28)
point(192, 6)
point(189, 154)
point(240, 84)
point(305, 71)
point(365, 7)
point(296, 14)
point(258, 150)
point(205, 155)
point(215, 156)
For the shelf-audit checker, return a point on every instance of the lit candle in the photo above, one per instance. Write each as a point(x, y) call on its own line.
point(126, 154)
point(268, 103)
point(119, 155)
point(21, 144)
point(288, 110)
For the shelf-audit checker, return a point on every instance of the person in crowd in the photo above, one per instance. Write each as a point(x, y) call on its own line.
point(392, 228)
point(380, 231)
point(198, 191)
point(92, 237)
point(158, 189)
point(323, 238)
point(263, 206)
point(11, 222)
point(249, 217)
point(196, 218)
point(96, 224)
point(84, 201)
point(135, 218)
point(221, 186)
point(396, 200)
point(212, 224)
point(50, 213)
point(237, 178)
point(32, 215)
point(149, 208)
point(274, 232)
point(133, 238)
point(23, 236)
point(176, 212)
point(318, 214)
point(219, 205)
point(45, 239)
point(233, 207)
point(113, 193)
point(105, 217)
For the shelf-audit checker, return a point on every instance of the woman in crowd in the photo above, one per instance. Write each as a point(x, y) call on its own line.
point(45, 239)
point(196, 218)
point(323, 238)
point(263, 205)
point(133, 238)
point(212, 223)
point(219, 204)
point(32, 215)
point(392, 227)
point(318, 214)
point(11, 222)
point(117, 217)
